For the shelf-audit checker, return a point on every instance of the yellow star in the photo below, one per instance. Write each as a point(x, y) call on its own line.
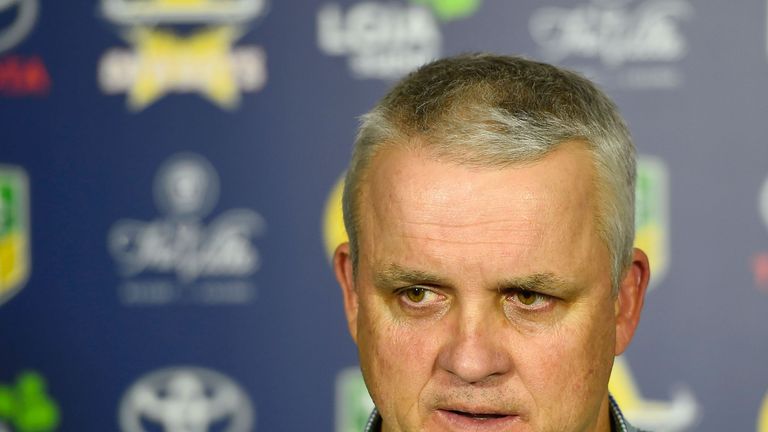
point(201, 62)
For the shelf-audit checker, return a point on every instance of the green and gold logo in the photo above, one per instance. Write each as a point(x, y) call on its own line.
point(14, 231)
point(676, 414)
point(681, 410)
point(762, 421)
point(353, 403)
point(334, 232)
point(26, 407)
point(651, 215)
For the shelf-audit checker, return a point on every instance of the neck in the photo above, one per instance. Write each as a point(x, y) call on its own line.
point(604, 418)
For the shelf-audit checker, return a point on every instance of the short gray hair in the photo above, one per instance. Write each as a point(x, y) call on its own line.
point(496, 111)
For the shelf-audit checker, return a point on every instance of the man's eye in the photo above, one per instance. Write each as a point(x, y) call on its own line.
point(526, 297)
point(530, 299)
point(415, 295)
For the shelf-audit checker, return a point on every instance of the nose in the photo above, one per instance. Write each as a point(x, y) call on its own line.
point(475, 351)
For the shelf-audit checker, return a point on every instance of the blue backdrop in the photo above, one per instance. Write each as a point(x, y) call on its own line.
point(167, 201)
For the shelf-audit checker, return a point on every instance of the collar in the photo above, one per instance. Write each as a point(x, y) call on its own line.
point(618, 422)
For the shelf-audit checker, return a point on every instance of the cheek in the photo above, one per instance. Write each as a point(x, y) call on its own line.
point(589, 345)
point(569, 367)
point(397, 358)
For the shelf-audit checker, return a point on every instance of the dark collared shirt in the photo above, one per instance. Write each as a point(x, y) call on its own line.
point(618, 422)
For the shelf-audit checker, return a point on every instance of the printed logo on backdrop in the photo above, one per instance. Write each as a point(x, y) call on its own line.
point(14, 231)
point(385, 40)
point(353, 403)
point(762, 419)
point(634, 44)
point(678, 414)
point(183, 46)
point(26, 406)
point(760, 259)
point(20, 75)
point(652, 215)
point(186, 399)
point(681, 411)
point(178, 257)
point(334, 231)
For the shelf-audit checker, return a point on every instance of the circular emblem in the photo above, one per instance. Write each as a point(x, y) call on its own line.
point(185, 399)
point(186, 185)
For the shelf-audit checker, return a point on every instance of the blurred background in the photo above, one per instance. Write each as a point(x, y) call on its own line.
point(169, 185)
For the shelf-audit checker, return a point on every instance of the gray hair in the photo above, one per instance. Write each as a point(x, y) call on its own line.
point(496, 111)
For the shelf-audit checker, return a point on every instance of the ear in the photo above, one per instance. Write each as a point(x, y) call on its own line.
point(630, 298)
point(342, 266)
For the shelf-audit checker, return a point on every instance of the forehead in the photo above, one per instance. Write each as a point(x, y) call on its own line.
point(417, 206)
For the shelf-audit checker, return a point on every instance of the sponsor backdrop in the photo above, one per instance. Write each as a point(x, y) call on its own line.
point(169, 187)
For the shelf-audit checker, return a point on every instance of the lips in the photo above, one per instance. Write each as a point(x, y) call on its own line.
point(479, 416)
point(477, 419)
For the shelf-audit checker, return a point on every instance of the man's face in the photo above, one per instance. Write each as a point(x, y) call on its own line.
point(482, 299)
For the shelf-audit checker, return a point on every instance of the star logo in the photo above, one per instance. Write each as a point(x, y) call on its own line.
point(203, 59)
point(202, 62)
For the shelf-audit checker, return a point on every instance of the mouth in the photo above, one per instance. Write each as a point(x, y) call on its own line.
point(477, 419)
point(477, 416)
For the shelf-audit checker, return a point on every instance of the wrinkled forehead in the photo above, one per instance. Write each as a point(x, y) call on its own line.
point(411, 188)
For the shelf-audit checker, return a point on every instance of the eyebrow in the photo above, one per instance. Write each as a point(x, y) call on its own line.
point(397, 275)
point(546, 283)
